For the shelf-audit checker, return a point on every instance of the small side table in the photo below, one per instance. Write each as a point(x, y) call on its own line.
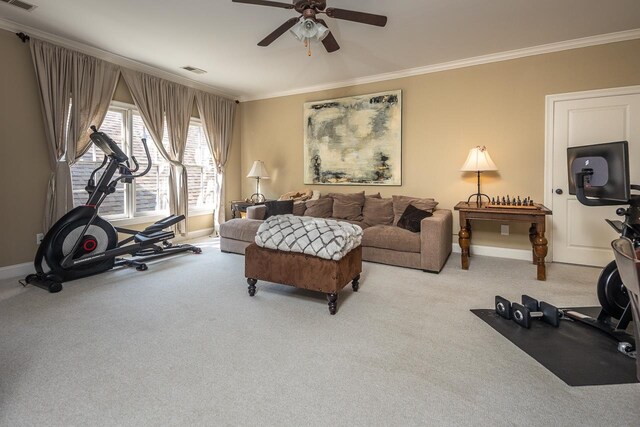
point(239, 207)
point(535, 217)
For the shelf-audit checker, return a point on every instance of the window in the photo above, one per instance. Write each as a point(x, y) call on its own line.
point(200, 169)
point(147, 195)
point(114, 205)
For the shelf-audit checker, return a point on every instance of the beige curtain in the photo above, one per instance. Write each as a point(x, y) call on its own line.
point(93, 83)
point(65, 78)
point(155, 99)
point(217, 119)
point(179, 104)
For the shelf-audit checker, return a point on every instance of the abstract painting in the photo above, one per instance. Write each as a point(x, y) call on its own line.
point(354, 141)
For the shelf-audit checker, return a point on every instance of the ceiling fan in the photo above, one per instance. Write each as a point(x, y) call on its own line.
point(308, 26)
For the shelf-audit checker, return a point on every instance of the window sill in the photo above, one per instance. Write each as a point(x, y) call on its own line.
point(149, 219)
point(137, 220)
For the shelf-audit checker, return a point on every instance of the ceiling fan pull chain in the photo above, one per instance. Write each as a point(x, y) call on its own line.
point(308, 47)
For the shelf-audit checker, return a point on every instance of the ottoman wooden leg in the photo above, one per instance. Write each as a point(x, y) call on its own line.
point(333, 302)
point(355, 283)
point(252, 286)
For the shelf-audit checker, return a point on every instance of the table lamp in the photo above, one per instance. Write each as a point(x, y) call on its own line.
point(478, 161)
point(258, 171)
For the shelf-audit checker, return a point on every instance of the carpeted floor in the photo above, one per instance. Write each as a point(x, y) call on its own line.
point(183, 344)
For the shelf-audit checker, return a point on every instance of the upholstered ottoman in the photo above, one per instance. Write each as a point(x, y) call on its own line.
point(303, 271)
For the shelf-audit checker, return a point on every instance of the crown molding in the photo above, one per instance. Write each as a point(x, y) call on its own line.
point(462, 63)
point(9, 25)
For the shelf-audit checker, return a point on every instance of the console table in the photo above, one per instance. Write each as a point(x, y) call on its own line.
point(535, 217)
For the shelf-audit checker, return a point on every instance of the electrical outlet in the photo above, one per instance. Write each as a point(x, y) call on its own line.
point(39, 238)
point(504, 230)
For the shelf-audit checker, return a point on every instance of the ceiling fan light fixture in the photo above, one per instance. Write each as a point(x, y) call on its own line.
point(309, 29)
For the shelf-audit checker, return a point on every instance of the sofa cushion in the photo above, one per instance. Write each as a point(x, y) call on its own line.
point(278, 207)
point(320, 208)
point(400, 204)
point(240, 229)
point(299, 208)
point(412, 217)
point(390, 237)
point(375, 195)
point(377, 211)
point(359, 223)
point(348, 206)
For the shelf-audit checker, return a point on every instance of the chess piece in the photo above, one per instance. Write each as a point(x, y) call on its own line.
point(519, 202)
point(508, 200)
point(493, 201)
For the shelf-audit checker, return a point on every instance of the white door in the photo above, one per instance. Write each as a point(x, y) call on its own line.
point(579, 233)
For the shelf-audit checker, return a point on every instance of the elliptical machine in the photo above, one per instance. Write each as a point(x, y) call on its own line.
point(81, 243)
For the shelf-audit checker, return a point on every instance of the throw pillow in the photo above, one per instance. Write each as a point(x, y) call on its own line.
point(320, 208)
point(348, 206)
point(299, 208)
point(412, 217)
point(278, 207)
point(375, 195)
point(400, 203)
point(377, 211)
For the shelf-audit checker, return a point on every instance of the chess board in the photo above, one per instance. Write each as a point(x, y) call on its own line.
point(506, 202)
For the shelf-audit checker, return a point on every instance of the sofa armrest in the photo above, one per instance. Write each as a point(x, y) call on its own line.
point(256, 212)
point(436, 234)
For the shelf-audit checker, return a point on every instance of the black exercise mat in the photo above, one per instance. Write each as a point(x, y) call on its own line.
point(577, 354)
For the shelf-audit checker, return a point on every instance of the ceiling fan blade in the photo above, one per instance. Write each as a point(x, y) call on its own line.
point(352, 15)
point(266, 3)
point(329, 41)
point(278, 32)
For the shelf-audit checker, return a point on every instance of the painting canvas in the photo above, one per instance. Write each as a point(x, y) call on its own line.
point(354, 141)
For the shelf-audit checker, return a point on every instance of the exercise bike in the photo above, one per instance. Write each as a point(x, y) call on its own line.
point(599, 176)
point(81, 243)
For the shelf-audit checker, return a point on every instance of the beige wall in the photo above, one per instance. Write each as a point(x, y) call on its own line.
point(23, 183)
point(500, 105)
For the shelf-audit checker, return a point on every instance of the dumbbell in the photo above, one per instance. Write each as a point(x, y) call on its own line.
point(529, 309)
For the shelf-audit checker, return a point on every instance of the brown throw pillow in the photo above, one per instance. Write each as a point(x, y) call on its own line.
point(320, 208)
point(278, 207)
point(378, 211)
point(299, 208)
point(348, 206)
point(412, 218)
point(400, 204)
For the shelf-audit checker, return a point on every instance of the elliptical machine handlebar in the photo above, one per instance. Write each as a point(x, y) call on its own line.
point(127, 174)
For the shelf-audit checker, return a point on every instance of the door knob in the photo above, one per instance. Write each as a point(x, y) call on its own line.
point(558, 190)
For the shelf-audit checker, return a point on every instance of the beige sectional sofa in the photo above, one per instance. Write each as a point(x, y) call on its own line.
point(383, 241)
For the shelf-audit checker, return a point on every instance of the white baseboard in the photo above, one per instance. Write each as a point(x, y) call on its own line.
point(16, 271)
point(492, 251)
point(21, 270)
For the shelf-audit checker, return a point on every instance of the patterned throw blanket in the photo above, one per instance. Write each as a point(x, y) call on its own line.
point(324, 238)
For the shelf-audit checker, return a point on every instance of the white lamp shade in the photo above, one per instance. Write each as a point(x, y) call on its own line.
point(258, 170)
point(478, 160)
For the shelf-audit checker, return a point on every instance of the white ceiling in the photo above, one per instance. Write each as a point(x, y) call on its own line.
point(220, 36)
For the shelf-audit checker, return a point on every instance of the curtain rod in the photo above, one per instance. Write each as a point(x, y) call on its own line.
point(25, 38)
point(22, 36)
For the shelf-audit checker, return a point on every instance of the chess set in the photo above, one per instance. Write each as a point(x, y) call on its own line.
point(512, 203)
